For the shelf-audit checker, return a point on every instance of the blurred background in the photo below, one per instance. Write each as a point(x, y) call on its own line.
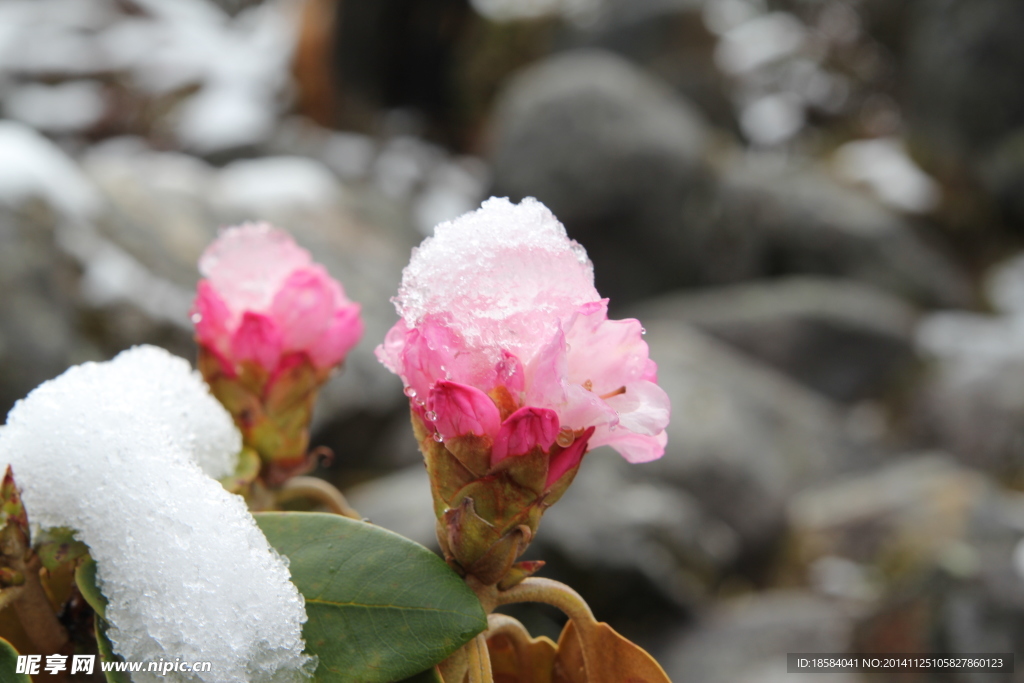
point(816, 207)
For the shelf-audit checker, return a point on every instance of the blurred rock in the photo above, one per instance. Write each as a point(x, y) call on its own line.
point(963, 66)
point(844, 339)
point(670, 41)
point(927, 549)
point(400, 502)
point(897, 521)
point(740, 432)
point(621, 519)
point(616, 156)
point(973, 400)
point(799, 221)
point(38, 335)
point(746, 641)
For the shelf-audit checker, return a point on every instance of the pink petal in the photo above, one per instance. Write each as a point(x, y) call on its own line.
point(460, 409)
point(524, 430)
point(545, 374)
point(247, 264)
point(303, 306)
point(635, 448)
point(568, 458)
point(509, 373)
point(391, 350)
point(606, 353)
point(643, 408)
point(344, 332)
point(211, 317)
point(257, 339)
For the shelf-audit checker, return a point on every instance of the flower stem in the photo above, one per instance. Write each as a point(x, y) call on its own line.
point(479, 661)
point(557, 594)
point(536, 589)
point(318, 490)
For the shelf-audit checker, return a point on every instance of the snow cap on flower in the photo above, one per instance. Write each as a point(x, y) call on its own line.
point(263, 298)
point(500, 304)
point(121, 452)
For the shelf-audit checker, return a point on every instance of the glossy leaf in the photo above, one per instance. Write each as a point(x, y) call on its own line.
point(9, 664)
point(381, 607)
point(429, 676)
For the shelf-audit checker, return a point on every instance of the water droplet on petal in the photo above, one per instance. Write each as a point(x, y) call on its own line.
point(643, 330)
point(197, 318)
point(437, 437)
point(432, 416)
point(565, 437)
point(410, 392)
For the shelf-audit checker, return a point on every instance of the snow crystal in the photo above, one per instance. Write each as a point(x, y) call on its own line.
point(113, 450)
point(503, 276)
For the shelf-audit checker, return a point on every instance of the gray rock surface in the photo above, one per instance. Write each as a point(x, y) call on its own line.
point(615, 155)
point(746, 641)
point(800, 221)
point(740, 432)
point(972, 401)
point(839, 337)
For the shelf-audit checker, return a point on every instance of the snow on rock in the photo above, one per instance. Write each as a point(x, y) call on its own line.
point(33, 167)
point(63, 108)
point(115, 450)
point(257, 187)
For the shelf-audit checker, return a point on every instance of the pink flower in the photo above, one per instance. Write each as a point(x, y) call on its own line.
point(503, 334)
point(263, 299)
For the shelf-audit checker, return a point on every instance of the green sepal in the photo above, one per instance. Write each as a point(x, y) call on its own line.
point(246, 471)
point(474, 452)
point(467, 534)
point(293, 385)
point(518, 572)
point(528, 471)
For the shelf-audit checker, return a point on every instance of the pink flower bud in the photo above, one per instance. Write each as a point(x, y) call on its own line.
point(458, 410)
point(524, 430)
point(270, 324)
point(263, 298)
point(503, 301)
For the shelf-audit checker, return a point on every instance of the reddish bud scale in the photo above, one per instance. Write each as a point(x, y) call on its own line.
point(273, 411)
point(487, 515)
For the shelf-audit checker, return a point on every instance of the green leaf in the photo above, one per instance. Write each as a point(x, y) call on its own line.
point(107, 654)
point(85, 577)
point(381, 607)
point(9, 664)
point(429, 676)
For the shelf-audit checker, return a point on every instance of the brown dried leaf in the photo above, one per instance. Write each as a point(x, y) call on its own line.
point(611, 659)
